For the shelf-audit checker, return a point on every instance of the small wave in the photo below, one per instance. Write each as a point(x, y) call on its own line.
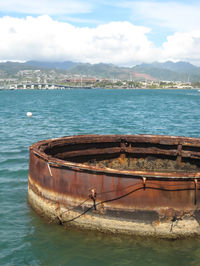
point(11, 161)
point(13, 173)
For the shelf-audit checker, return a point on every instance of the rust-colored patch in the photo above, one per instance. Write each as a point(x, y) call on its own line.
point(122, 175)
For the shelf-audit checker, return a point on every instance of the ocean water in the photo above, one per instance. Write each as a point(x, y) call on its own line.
point(27, 239)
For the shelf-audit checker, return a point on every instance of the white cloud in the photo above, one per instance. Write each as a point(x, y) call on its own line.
point(183, 47)
point(120, 43)
point(48, 7)
point(43, 38)
point(169, 14)
point(79, 20)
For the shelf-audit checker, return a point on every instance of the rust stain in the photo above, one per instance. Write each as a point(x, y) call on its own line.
point(101, 164)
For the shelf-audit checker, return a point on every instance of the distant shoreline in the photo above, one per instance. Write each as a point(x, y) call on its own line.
point(95, 88)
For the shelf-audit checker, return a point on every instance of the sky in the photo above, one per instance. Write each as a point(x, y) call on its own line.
point(120, 32)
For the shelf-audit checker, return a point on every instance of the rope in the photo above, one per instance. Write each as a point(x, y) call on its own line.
point(93, 196)
point(113, 199)
point(99, 203)
point(68, 209)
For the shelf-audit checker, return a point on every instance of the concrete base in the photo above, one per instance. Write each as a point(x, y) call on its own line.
point(94, 220)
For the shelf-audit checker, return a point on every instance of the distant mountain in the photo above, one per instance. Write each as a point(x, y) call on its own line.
point(100, 70)
point(159, 73)
point(11, 68)
point(180, 71)
point(180, 67)
point(52, 65)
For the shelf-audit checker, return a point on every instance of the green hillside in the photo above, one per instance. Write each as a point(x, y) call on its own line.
point(180, 71)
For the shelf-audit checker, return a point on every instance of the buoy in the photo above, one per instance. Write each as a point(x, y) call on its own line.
point(29, 114)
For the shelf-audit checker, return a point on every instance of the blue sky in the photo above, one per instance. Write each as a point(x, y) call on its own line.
point(121, 32)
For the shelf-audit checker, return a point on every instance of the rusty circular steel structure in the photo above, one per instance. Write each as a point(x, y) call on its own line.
point(134, 184)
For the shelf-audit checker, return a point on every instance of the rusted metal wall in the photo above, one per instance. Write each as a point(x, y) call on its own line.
point(160, 194)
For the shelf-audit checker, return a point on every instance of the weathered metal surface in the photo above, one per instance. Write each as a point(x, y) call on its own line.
point(67, 188)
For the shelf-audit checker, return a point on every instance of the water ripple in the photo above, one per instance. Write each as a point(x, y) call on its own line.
point(26, 239)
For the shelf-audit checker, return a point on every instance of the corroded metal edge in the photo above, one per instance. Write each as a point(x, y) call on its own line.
point(163, 139)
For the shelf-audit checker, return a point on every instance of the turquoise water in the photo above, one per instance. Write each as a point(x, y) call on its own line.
point(25, 238)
